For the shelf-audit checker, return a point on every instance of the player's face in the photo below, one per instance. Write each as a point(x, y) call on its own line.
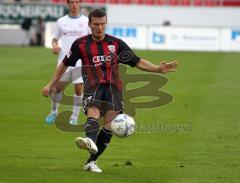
point(98, 26)
point(74, 6)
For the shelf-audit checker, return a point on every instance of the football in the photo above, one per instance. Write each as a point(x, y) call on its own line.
point(123, 125)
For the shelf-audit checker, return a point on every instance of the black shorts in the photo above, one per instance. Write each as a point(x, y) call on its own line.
point(105, 97)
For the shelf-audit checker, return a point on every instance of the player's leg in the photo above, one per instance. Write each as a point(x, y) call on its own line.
point(104, 136)
point(94, 100)
point(77, 102)
point(92, 105)
point(112, 106)
point(59, 87)
point(77, 80)
point(91, 130)
point(103, 139)
point(54, 102)
point(92, 125)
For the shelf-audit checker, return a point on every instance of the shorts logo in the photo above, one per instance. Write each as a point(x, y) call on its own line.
point(111, 48)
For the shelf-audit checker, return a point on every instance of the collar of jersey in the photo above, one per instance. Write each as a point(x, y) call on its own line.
point(74, 16)
point(104, 39)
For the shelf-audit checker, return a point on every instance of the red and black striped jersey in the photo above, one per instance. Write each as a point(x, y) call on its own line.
point(100, 59)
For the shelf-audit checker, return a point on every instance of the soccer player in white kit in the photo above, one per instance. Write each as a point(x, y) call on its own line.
point(68, 29)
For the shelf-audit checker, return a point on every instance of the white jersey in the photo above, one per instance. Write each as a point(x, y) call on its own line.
point(68, 29)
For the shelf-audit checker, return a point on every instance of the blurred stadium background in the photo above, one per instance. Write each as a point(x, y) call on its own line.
point(193, 139)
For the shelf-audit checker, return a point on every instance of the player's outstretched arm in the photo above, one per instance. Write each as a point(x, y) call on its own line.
point(164, 67)
point(61, 69)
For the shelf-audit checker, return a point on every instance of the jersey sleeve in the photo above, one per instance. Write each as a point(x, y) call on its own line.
point(73, 55)
point(57, 31)
point(126, 55)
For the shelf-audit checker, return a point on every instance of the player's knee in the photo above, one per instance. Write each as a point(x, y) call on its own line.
point(78, 92)
point(78, 89)
point(59, 86)
point(109, 116)
point(93, 112)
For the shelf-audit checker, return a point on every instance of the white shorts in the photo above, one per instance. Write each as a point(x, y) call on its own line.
point(72, 74)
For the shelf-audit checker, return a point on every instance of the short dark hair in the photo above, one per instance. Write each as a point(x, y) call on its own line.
point(68, 1)
point(96, 13)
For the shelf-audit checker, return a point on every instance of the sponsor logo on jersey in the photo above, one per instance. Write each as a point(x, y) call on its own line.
point(100, 59)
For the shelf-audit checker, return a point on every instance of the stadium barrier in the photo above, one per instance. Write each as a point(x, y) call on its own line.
point(171, 38)
point(208, 29)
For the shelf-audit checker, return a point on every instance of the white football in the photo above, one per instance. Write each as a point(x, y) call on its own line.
point(123, 125)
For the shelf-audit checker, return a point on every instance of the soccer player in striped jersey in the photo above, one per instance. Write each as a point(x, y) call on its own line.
point(68, 29)
point(101, 54)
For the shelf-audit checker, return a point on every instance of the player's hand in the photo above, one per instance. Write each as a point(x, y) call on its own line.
point(56, 50)
point(166, 67)
point(47, 90)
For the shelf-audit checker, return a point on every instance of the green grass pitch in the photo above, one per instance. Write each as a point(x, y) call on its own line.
point(206, 104)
